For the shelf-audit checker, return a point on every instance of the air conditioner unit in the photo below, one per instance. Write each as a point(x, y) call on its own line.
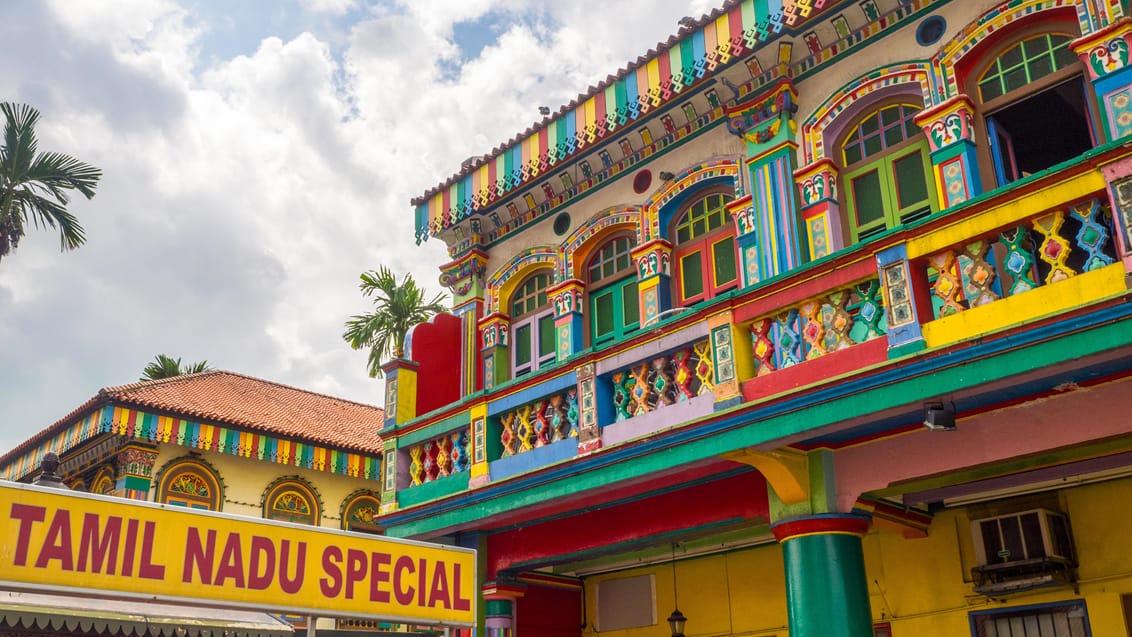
point(1022, 551)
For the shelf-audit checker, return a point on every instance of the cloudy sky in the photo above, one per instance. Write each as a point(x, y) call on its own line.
point(257, 156)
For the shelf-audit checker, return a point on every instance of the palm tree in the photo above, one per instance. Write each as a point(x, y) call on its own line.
point(397, 308)
point(166, 367)
point(34, 186)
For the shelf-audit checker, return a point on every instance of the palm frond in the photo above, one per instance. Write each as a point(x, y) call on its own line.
point(37, 186)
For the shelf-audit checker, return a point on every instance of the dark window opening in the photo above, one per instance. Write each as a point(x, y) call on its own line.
point(1039, 131)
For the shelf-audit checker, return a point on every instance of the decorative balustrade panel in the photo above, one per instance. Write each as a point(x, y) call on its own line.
point(818, 327)
point(665, 380)
point(540, 423)
point(1053, 247)
point(438, 458)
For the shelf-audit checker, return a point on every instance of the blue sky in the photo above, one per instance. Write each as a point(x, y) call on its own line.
point(257, 157)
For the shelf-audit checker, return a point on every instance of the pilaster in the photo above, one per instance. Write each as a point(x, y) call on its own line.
point(566, 298)
point(135, 471)
point(820, 211)
point(400, 392)
point(766, 220)
point(495, 330)
point(951, 137)
point(654, 279)
point(481, 451)
point(901, 301)
point(1106, 55)
point(589, 432)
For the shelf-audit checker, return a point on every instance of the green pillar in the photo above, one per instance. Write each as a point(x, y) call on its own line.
point(827, 594)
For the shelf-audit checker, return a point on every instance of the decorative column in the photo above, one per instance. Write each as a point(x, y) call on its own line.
point(732, 358)
point(821, 213)
point(654, 278)
point(1118, 177)
point(391, 471)
point(499, 599)
point(135, 471)
point(495, 329)
point(766, 220)
point(464, 278)
point(484, 447)
point(566, 297)
point(951, 136)
point(400, 392)
point(589, 432)
point(1105, 53)
point(827, 592)
point(906, 300)
point(400, 408)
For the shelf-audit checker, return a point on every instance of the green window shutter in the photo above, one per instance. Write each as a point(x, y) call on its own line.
point(912, 197)
point(723, 258)
point(522, 344)
point(546, 345)
point(691, 275)
point(867, 199)
point(603, 310)
point(630, 305)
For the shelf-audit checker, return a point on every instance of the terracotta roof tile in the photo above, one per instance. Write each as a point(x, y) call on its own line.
point(220, 397)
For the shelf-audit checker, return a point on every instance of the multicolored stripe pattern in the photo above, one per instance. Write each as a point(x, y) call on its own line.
point(134, 424)
point(645, 87)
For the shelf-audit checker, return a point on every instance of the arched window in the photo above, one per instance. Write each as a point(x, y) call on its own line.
point(292, 500)
point(1034, 105)
point(360, 511)
point(885, 166)
point(705, 249)
point(191, 484)
point(532, 325)
point(612, 283)
point(103, 482)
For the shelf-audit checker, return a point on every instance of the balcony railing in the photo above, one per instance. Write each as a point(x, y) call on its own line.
point(818, 326)
point(439, 458)
point(1052, 247)
point(665, 380)
point(539, 423)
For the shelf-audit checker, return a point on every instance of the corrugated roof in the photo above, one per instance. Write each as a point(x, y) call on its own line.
point(222, 397)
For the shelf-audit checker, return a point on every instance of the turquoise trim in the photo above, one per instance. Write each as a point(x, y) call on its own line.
point(891, 388)
point(439, 488)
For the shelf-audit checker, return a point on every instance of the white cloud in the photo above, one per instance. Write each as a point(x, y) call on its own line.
point(242, 196)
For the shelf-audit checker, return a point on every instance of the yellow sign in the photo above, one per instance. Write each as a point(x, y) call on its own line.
point(61, 540)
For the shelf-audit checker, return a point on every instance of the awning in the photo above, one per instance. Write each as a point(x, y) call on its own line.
point(91, 615)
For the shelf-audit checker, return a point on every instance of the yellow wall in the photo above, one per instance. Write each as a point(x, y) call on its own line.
point(921, 586)
point(245, 480)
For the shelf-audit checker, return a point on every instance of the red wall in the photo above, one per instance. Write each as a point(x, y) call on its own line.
point(549, 612)
point(436, 346)
point(740, 497)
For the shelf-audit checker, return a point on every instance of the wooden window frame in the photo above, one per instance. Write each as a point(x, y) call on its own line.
point(190, 468)
point(882, 162)
point(976, 71)
point(292, 486)
point(531, 315)
point(613, 284)
point(703, 244)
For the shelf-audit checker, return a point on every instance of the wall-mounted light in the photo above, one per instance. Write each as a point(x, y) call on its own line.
point(939, 416)
point(676, 620)
point(665, 175)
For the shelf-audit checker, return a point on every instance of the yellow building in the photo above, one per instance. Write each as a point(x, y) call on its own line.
point(223, 442)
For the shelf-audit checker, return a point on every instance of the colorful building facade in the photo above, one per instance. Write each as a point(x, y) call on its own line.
point(221, 441)
point(814, 320)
